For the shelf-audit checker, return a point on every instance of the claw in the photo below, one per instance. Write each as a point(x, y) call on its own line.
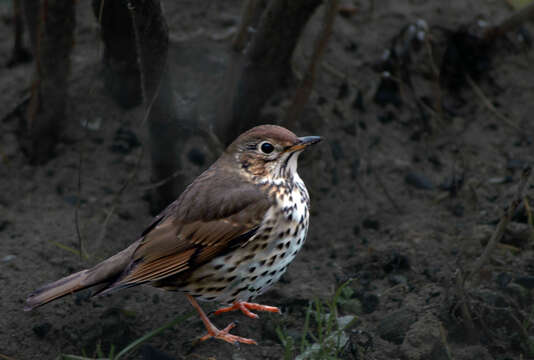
point(213, 332)
point(245, 308)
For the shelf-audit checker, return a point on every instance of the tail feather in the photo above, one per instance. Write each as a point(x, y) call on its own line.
point(103, 274)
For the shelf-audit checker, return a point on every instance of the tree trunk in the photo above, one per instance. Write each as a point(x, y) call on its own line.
point(51, 27)
point(253, 78)
point(19, 54)
point(167, 130)
point(121, 69)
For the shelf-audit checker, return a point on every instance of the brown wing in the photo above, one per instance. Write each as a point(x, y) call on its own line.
point(211, 216)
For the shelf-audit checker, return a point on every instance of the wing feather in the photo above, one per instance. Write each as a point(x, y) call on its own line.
point(205, 221)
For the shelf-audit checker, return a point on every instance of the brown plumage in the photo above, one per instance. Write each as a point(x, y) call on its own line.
point(222, 224)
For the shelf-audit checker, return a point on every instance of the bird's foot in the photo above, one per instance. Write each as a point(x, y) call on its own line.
point(213, 332)
point(245, 308)
point(225, 335)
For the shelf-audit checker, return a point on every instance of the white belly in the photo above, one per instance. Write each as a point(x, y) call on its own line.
point(250, 270)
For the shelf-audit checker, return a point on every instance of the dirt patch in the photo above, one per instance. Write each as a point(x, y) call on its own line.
point(401, 198)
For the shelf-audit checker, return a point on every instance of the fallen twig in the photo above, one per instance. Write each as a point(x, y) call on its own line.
point(478, 91)
point(443, 336)
point(463, 303)
point(503, 223)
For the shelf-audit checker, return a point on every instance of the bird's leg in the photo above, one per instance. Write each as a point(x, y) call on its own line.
point(245, 308)
point(216, 333)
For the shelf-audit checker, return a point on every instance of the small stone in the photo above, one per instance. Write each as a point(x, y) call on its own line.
point(500, 180)
point(418, 181)
point(42, 329)
point(124, 141)
point(8, 258)
point(370, 303)
point(397, 279)
point(422, 339)
point(371, 224)
point(395, 325)
point(91, 124)
point(397, 262)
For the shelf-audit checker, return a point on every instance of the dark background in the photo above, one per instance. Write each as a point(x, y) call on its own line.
point(405, 194)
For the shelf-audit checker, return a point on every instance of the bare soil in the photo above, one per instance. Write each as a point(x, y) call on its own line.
point(399, 204)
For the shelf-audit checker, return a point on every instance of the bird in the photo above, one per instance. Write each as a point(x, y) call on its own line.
point(227, 238)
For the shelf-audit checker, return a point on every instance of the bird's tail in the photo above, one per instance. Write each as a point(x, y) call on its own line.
point(103, 274)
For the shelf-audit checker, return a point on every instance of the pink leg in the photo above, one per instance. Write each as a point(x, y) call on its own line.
point(216, 333)
point(245, 308)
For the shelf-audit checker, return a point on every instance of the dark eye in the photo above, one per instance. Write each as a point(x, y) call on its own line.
point(267, 147)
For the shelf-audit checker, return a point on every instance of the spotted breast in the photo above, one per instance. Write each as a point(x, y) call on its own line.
point(250, 270)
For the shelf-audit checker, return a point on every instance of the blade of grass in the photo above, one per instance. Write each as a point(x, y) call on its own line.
point(153, 333)
point(319, 319)
point(76, 357)
point(303, 342)
point(69, 249)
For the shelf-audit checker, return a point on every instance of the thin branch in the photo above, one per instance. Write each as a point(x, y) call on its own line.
point(116, 198)
point(463, 303)
point(162, 182)
point(510, 23)
point(443, 336)
point(251, 11)
point(388, 195)
point(77, 209)
point(17, 108)
point(503, 223)
point(303, 92)
point(478, 91)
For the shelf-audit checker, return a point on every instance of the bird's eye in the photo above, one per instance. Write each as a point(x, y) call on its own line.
point(266, 147)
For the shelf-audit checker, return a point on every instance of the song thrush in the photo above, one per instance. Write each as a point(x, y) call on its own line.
point(228, 237)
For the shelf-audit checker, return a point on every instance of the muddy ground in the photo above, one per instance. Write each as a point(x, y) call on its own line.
point(405, 195)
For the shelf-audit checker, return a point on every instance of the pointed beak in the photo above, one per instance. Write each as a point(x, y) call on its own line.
point(304, 142)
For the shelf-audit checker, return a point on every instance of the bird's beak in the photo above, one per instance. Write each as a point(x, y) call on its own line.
point(304, 142)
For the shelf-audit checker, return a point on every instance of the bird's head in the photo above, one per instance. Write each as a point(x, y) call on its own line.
point(269, 151)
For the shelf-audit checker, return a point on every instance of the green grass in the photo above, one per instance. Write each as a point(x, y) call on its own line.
point(323, 327)
point(130, 347)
